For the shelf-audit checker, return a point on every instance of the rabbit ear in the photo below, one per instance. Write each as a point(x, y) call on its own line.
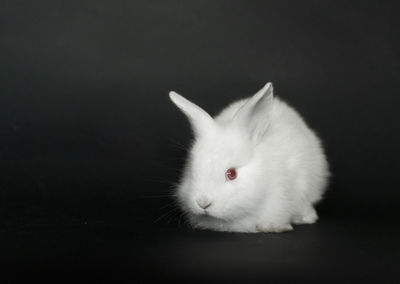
point(201, 121)
point(254, 116)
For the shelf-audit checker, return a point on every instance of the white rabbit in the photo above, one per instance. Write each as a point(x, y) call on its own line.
point(255, 167)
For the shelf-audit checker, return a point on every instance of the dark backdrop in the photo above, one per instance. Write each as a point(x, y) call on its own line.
point(90, 144)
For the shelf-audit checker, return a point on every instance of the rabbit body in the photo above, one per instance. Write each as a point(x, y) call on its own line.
point(280, 167)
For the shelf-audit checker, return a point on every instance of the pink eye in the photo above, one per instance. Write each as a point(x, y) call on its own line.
point(231, 174)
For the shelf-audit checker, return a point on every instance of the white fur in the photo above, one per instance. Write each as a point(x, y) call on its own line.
point(282, 170)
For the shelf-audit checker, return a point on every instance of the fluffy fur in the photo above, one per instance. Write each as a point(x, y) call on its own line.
point(281, 167)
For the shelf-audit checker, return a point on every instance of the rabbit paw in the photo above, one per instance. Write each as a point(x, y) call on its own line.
point(308, 217)
point(273, 228)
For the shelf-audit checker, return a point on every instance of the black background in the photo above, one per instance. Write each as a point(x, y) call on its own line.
point(90, 143)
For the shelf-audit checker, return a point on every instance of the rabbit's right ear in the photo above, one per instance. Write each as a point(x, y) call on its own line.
point(255, 115)
point(200, 120)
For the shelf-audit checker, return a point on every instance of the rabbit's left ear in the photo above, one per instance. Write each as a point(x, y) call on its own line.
point(254, 116)
point(200, 120)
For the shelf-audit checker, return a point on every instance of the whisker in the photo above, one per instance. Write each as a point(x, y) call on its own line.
point(178, 145)
point(165, 215)
point(173, 216)
point(168, 205)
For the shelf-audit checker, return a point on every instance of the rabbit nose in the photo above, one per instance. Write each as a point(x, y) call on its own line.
point(203, 202)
